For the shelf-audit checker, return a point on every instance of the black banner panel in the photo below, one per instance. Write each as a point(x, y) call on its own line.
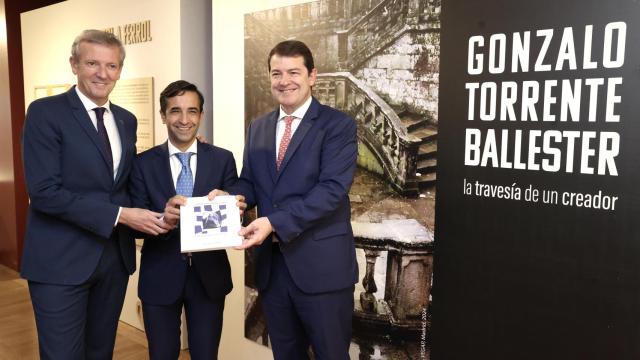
point(538, 208)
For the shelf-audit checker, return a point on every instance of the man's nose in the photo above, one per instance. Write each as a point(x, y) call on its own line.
point(102, 72)
point(285, 78)
point(183, 118)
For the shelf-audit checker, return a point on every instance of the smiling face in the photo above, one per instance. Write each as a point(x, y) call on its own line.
point(182, 117)
point(97, 68)
point(291, 82)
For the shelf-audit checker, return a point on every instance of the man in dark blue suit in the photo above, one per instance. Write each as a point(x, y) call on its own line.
point(78, 149)
point(170, 280)
point(298, 166)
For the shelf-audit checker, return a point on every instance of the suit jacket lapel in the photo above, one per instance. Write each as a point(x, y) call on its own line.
point(117, 117)
point(83, 119)
point(162, 171)
point(271, 144)
point(203, 167)
point(301, 132)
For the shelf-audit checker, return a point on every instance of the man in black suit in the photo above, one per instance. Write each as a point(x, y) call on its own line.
point(162, 178)
point(77, 151)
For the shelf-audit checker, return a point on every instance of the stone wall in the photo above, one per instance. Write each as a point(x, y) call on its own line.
point(316, 24)
point(402, 36)
point(406, 74)
point(316, 16)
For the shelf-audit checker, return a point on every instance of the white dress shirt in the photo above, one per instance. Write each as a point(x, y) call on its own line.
point(109, 124)
point(298, 114)
point(176, 165)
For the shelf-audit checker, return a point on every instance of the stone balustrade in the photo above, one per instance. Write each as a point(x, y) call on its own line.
point(379, 127)
point(409, 267)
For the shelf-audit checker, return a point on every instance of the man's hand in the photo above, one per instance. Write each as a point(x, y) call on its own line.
point(216, 192)
point(255, 233)
point(144, 220)
point(172, 210)
point(241, 204)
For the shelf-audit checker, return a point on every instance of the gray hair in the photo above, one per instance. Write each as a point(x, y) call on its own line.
point(96, 37)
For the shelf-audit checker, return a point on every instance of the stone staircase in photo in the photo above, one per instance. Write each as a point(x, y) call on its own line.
point(426, 158)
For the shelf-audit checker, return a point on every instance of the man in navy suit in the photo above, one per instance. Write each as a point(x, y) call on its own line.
point(78, 149)
point(170, 280)
point(298, 166)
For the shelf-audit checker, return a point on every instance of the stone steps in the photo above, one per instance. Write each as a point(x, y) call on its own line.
point(426, 134)
point(411, 121)
point(428, 150)
point(427, 166)
point(419, 184)
point(426, 181)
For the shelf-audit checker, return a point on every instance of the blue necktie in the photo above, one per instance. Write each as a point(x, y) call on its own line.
point(184, 185)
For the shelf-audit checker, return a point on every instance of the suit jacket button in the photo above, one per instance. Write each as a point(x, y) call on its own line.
point(275, 206)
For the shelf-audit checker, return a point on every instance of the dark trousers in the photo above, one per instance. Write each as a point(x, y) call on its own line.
point(296, 319)
point(80, 321)
point(204, 323)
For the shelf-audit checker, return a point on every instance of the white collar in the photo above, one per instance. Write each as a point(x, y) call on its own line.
point(173, 150)
point(299, 112)
point(88, 104)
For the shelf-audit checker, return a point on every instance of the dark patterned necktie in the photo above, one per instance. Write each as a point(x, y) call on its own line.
point(102, 134)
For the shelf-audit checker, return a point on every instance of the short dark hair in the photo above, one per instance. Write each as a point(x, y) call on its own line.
point(178, 88)
point(292, 48)
point(96, 37)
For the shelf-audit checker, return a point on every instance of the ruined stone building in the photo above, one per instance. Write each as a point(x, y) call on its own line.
point(378, 61)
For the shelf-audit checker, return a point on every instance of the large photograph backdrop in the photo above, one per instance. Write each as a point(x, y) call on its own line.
point(538, 238)
point(378, 61)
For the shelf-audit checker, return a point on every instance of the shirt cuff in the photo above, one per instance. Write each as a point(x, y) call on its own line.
point(118, 217)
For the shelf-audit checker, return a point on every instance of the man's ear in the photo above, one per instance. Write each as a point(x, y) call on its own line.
point(312, 76)
point(74, 65)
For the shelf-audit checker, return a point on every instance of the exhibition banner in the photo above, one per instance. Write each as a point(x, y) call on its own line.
point(537, 251)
